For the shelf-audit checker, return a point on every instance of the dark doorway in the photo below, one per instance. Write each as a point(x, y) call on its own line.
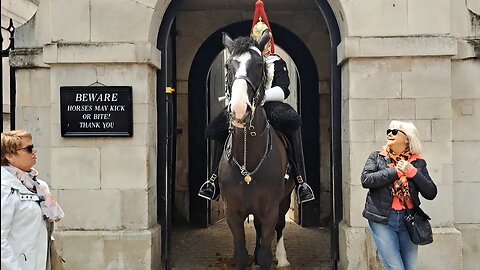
point(198, 173)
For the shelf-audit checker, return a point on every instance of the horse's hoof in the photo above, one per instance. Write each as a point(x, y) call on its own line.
point(283, 265)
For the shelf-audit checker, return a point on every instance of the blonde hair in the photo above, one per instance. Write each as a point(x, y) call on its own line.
point(411, 131)
point(11, 141)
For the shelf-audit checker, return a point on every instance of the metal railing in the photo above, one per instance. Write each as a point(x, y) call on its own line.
point(13, 92)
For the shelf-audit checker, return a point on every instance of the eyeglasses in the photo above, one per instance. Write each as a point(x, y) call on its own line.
point(394, 131)
point(28, 148)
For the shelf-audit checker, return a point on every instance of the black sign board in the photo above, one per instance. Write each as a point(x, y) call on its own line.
point(96, 111)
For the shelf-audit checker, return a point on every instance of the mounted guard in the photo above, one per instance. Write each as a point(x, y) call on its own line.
point(281, 115)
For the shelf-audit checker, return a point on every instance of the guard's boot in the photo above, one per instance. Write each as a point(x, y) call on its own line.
point(210, 190)
point(304, 191)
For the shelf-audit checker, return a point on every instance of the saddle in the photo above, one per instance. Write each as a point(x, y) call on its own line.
point(281, 116)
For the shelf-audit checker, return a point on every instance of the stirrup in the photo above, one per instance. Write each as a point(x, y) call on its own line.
point(208, 190)
point(304, 189)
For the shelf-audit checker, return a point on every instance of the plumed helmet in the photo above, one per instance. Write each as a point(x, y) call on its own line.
point(260, 24)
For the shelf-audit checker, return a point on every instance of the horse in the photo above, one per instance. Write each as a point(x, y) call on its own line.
point(253, 167)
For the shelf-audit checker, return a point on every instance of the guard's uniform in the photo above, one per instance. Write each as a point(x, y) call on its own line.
point(277, 113)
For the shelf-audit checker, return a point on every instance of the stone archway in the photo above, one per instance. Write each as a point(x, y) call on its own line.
point(333, 133)
point(197, 112)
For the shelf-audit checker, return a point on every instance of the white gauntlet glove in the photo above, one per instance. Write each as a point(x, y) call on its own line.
point(273, 94)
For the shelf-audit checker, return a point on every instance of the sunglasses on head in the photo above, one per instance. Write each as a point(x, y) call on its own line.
point(394, 131)
point(28, 148)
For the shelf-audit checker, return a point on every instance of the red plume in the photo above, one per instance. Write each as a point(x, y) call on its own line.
point(260, 13)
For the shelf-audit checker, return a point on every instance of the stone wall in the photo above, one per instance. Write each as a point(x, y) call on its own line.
point(106, 186)
point(397, 62)
point(19, 12)
point(418, 70)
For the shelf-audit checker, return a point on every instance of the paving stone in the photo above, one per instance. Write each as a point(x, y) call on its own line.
point(211, 248)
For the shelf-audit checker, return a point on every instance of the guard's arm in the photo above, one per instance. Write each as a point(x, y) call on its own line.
point(280, 78)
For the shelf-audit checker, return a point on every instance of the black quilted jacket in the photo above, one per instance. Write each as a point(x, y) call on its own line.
point(379, 179)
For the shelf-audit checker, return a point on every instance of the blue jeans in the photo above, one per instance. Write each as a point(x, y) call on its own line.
point(396, 249)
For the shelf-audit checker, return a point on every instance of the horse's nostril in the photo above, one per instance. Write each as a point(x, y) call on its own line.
point(239, 109)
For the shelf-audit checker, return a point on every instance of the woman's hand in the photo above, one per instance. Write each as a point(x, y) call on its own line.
point(404, 166)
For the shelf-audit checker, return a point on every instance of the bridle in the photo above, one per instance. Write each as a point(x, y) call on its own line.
point(248, 119)
point(258, 91)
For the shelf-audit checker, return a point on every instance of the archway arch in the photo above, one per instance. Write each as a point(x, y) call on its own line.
point(197, 146)
point(308, 83)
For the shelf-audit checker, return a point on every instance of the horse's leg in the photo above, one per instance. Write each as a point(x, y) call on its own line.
point(268, 222)
point(281, 253)
point(235, 223)
point(258, 242)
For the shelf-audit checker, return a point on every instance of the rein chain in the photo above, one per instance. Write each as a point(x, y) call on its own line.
point(243, 168)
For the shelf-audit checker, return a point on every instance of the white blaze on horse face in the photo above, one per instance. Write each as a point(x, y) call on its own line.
point(239, 99)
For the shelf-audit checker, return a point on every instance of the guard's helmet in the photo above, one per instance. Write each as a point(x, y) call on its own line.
point(260, 24)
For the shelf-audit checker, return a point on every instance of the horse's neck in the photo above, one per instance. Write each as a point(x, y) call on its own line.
point(257, 134)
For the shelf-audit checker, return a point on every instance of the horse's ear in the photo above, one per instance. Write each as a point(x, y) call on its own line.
point(264, 39)
point(227, 42)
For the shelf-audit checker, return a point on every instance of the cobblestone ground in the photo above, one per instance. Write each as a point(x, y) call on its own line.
point(212, 248)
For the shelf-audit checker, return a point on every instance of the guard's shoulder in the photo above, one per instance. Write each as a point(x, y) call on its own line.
point(273, 58)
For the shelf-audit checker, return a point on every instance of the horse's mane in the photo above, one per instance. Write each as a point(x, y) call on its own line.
point(242, 45)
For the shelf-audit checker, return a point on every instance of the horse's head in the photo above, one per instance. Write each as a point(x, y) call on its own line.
point(246, 76)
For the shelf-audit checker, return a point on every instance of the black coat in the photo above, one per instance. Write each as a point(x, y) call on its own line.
point(280, 76)
point(379, 179)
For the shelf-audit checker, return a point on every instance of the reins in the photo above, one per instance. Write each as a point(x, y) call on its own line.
point(247, 176)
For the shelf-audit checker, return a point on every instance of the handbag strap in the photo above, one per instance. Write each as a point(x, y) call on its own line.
point(409, 211)
point(416, 210)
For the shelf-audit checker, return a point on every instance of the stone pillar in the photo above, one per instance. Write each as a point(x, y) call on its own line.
point(466, 142)
point(106, 186)
point(388, 79)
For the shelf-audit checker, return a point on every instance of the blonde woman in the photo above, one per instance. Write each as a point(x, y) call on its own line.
point(27, 206)
point(394, 177)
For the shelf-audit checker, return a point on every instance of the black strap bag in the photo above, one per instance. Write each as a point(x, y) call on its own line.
point(419, 227)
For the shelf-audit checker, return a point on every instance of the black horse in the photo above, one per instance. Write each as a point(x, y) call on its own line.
point(253, 167)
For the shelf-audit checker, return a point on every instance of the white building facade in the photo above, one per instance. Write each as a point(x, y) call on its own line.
point(400, 59)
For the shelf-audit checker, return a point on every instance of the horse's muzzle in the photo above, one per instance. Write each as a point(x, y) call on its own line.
point(240, 123)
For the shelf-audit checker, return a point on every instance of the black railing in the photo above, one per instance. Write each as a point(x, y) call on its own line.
point(13, 92)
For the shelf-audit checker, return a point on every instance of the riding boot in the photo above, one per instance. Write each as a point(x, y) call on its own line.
point(304, 191)
point(210, 190)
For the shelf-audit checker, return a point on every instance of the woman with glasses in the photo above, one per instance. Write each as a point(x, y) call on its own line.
point(394, 177)
point(27, 206)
